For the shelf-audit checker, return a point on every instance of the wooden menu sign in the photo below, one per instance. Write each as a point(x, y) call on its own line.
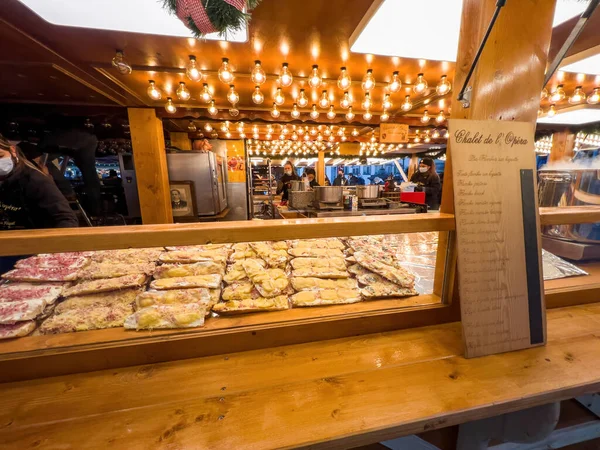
point(499, 245)
point(393, 133)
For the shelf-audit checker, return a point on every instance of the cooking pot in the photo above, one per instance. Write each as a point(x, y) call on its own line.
point(328, 194)
point(573, 187)
point(371, 191)
point(300, 199)
point(299, 185)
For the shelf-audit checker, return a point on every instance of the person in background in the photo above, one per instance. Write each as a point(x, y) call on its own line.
point(428, 181)
point(312, 177)
point(112, 179)
point(289, 175)
point(340, 180)
point(390, 184)
point(327, 182)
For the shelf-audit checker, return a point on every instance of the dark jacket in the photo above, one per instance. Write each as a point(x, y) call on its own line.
point(431, 185)
point(340, 181)
point(30, 199)
point(285, 185)
point(314, 183)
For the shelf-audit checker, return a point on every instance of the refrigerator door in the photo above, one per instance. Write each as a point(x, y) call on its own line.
point(221, 194)
point(129, 185)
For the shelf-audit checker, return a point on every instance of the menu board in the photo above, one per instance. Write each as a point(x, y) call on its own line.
point(499, 247)
point(393, 133)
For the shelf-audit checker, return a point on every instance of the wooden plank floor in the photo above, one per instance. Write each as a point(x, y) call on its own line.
point(332, 394)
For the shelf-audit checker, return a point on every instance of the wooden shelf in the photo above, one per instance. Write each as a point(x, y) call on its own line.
point(140, 236)
point(569, 215)
point(575, 290)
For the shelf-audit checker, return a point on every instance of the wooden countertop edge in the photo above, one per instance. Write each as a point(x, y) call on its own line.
point(569, 215)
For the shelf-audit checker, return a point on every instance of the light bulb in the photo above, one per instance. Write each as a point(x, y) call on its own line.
point(594, 97)
point(558, 94)
point(446, 135)
point(275, 112)
point(119, 63)
point(302, 100)
point(205, 95)
point(208, 128)
point(192, 71)
point(435, 134)
point(257, 96)
point(345, 102)
point(225, 126)
point(368, 81)
point(314, 113)
point(387, 102)
point(153, 92)
point(327, 132)
point(331, 139)
point(319, 137)
point(242, 136)
point(212, 109)
point(426, 117)
point(344, 138)
point(306, 137)
point(367, 103)
point(295, 111)
point(228, 135)
point(395, 83)
point(314, 80)
point(350, 114)
point(440, 117)
point(182, 93)
point(443, 86)
point(407, 105)
point(324, 100)
point(544, 94)
point(240, 127)
point(578, 96)
point(269, 136)
point(384, 116)
point(420, 84)
point(232, 96)
point(255, 135)
point(225, 72)
point(192, 126)
point(258, 75)
point(344, 81)
point(552, 111)
point(367, 115)
point(170, 107)
point(355, 132)
point(417, 139)
point(279, 97)
point(285, 77)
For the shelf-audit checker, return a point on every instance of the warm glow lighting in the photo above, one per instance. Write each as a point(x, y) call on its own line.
point(395, 84)
point(225, 72)
point(575, 115)
point(577, 97)
point(205, 95)
point(295, 111)
point(420, 84)
point(313, 131)
point(558, 94)
point(302, 99)
point(314, 80)
point(594, 97)
point(257, 96)
point(232, 96)
point(258, 75)
point(435, 134)
point(384, 116)
point(443, 86)
point(426, 117)
point(368, 82)
point(331, 113)
point(170, 107)
point(183, 93)
point(212, 109)
point(589, 65)
point(407, 104)
point(327, 132)
point(324, 100)
point(387, 102)
point(367, 115)
point(344, 81)
point(552, 111)
point(279, 97)
point(314, 113)
point(208, 128)
point(225, 126)
point(440, 117)
point(285, 77)
point(367, 102)
point(544, 94)
point(240, 127)
point(345, 102)
point(192, 71)
point(153, 92)
point(350, 114)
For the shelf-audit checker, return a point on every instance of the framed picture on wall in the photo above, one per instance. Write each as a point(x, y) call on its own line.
point(183, 200)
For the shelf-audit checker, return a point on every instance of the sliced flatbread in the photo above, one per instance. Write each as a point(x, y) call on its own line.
point(250, 305)
point(268, 282)
point(35, 274)
point(20, 311)
point(274, 253)
point(326, 297)
point(212, 281)
point(85, 319)
point(16, 330)
point(187, 257)
point(52, 260)
point(239, 291)
point(106, 285)
point(188, 270)
point(199, 296)
point(320, 273)
point(167, 317)
point(97, 271)
point(199, 248)
point(319, 263)
point(128, 255)
point(49, 292)
point(315, 252)
point(330, 243)
point(312, 284)
point(398, 275)
point(104, 299)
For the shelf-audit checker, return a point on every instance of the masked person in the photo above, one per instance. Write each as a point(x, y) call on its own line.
point(289, 175)
point(428, 181)
point(312, 177)
point(340, 180)
point(28, 197)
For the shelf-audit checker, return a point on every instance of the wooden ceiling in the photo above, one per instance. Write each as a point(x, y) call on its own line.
point(69, 66)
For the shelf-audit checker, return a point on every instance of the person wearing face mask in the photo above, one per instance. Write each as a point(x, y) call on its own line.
point(289, 175)
point(340, 180)
point(428, 181)
point(28, 197)
point(312, 177)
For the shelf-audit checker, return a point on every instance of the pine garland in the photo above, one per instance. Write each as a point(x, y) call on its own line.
point(223, 17)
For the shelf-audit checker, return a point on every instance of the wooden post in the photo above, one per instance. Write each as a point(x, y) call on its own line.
point(181, 141)
point(321, 169)
point(150, 161)
point(414, 163)
point(563, 144)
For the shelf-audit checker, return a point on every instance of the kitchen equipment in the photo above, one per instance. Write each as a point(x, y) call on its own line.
point(209, 174)
point(367, 192)
point(299, 185)
point(129, 182)
point(300, 199)
point(328, 194)
point(371, 203)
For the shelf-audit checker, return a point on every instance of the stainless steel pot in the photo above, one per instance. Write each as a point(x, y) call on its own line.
point(301, 199)
point(371, 191)
point(299, 185)
point(575, 187)
point(328, 194)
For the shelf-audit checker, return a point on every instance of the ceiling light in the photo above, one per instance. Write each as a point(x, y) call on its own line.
point(170, 107)
point(226, 72)
point(319, 137)
point(192, 126)
point(240, 127)
point(183, 93)
point(314, 114)
point(443, 86)
point(384, 116)
point(314, 80)
point(313, 131)
point(192, 71)
point(368, 82)
point(407, 104)
point(395, 84)
point(208, 127)
point(426, 117)
point(324, 100)
point(258, 75)
point(544, 94)
point(153, 92)
point(594, 97)
point(367, 115)
point(344, 81)
point(577, 97)
point(435, 134)
point(420, 84)
point(212, 109)
point(255, 135)
point(552, 111)
point(331, 113)
point(205, 95)
point(327, 132)
point(367, 102)
point(119, 63)
point(355, 132)
point(345, 102)
point(558, 94)
point(350, 114)
point(279, 97)
point(295, 111)
point(440, 117)
point(257, 96)
point(417, 139)
point(285, 77)
point(387, 102)
point(576, 115)
point(302, 99)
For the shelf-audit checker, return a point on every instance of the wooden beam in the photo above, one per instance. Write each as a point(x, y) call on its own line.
point(567, 215)
point(321, 169)
point(180, 140)
point(563, 144)
point(150, 161)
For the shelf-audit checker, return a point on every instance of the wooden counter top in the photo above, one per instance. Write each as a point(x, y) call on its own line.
point(330, 394)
